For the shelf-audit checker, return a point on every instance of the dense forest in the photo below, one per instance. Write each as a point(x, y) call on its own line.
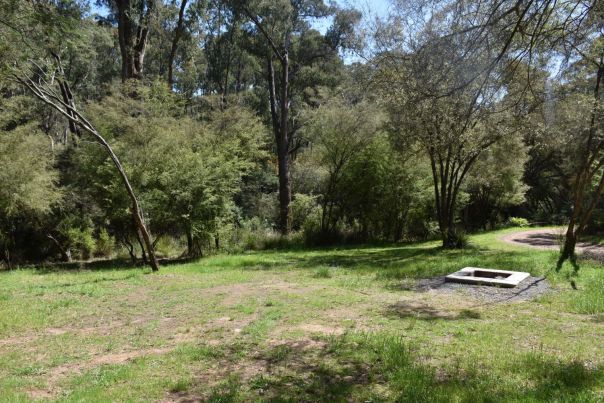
point(149, 129)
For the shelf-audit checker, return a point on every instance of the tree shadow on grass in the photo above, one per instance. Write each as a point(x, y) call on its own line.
point(423, 311)
point(387, 262)
point(397, 263)
point(97, 280)
point(102, 265)
point(373, 367)
point(551, 376)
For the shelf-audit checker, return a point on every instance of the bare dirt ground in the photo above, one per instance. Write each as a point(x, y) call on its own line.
point(551, 239)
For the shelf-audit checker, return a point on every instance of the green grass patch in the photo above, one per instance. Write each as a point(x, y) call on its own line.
point(330, 324)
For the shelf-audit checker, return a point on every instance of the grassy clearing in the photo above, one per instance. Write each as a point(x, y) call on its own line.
point(322, 324)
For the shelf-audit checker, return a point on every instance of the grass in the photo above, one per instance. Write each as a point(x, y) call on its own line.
point(318, 324)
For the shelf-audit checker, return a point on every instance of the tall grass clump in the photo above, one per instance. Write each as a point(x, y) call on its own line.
point(390, 359)
point(590, 300)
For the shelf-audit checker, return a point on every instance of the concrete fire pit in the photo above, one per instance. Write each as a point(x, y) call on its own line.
point(480, 276)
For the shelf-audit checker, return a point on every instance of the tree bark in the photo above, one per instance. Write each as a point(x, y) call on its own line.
point(280, 119)
point(177, 35)
point(141, 245)
point(189, 243)
point(448, 174)
point(570, 242)
point(581, 214)
point(133, 35)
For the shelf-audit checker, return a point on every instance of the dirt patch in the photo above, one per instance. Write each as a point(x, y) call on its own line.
point(235, 293)
point(323, 329)
point(58, 372)
point(550, 239)
point(104, 359)
point(56, 331)
point(39, 394)
point(26, 339)
point(120, 358)
point(288, 288)
point(30, 338)
point(226, 325)
point(537, 238)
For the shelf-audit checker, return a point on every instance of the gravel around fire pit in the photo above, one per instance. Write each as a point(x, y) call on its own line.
point(528, 289)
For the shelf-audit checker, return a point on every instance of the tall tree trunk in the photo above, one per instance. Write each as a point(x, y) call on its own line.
point(177, 35)
point(581, 214)
point(448, 174)
point(133, 34)
point(189, 243)
point(279, 117)
point(285, 193)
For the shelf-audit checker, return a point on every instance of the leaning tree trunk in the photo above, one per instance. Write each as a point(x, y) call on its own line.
point(570, 242)
point(136, 211)
point(51, 98)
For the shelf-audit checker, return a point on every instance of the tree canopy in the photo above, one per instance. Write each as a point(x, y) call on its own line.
point(130, 128)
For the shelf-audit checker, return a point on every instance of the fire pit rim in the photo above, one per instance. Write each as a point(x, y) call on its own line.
point(465, 275)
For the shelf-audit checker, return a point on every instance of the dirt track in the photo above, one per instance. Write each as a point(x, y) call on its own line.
point(551, 239)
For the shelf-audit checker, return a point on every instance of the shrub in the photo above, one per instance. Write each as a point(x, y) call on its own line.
point(303, 206)
point(105, 244)
point(82, 241)
point(518, 222)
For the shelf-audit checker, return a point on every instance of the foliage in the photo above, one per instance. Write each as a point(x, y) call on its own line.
point(451, 120)
point(494, 184)
point(104, 245)
point(187, 172)
point(518, 222)
point(29, 188)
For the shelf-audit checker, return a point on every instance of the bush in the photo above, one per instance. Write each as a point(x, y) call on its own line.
point(518, 222)
point(256, 234)
point(303, 206)
point(82, 241)
point(105, 244)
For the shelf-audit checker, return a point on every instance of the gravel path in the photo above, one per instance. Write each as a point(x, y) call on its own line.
point(551, 239)
point(528, 289)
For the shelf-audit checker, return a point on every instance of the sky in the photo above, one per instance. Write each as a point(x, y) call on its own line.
point(369, 8)
point(372, 7)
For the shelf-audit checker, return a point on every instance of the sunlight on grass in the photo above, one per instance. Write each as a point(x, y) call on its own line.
point(307, 324)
